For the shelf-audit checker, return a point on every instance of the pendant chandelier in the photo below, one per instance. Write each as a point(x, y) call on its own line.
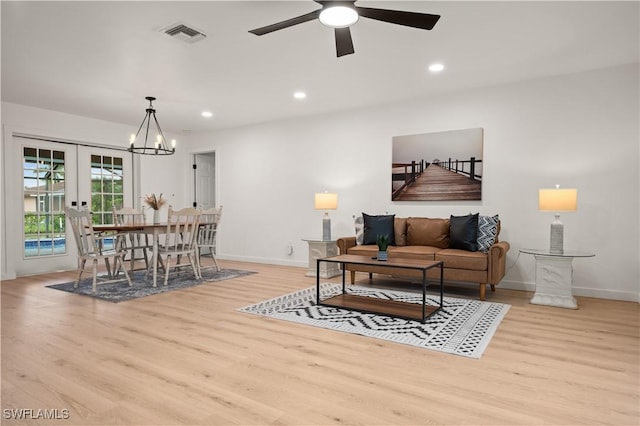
point(157, 146)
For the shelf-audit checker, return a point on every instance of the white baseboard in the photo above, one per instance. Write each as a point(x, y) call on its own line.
point(606, 294)
point(517, 285)
point(281, 262)
point(4, 277)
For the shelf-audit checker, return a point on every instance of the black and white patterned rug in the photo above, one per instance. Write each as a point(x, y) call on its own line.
point(463, 327)
point(120, 291)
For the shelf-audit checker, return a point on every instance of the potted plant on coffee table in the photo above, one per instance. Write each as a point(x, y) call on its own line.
point(383, 243)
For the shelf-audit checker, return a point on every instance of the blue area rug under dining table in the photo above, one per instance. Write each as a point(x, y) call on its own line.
point(120, 291)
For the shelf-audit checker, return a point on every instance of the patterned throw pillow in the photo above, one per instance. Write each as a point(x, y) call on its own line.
point(358, 222)
point(487, 232)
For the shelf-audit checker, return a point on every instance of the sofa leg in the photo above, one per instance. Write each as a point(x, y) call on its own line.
point(353, 277)
point(370, 276)
point(483, 290)
point(493, 288)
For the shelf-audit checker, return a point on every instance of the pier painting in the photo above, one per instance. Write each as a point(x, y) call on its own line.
point(437, 166)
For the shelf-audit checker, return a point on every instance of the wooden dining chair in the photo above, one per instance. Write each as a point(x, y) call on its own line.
point(179, 240)
point(136, 243)
point(209, 220)
point(91, 246)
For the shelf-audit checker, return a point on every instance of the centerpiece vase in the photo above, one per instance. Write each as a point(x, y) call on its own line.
point(156, 216)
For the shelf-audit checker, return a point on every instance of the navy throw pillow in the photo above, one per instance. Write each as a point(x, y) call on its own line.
point(378, 225)
point(463, 232)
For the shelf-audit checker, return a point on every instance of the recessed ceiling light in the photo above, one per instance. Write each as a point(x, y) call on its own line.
point(207, 114)
point(299, 95)
point(436, 67)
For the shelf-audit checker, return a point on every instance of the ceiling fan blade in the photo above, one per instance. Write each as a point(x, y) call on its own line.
point(344, 43)
point(424, 21)
point(286, 24)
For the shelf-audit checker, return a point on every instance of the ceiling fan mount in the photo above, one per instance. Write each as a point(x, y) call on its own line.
point(340, 15)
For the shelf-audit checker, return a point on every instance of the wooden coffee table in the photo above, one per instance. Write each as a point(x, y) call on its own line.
point(395, 308)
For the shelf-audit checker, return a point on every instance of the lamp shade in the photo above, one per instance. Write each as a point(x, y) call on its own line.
point(326, 201)
point(558, 200)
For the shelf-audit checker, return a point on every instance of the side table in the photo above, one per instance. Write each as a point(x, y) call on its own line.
point(319, 249)
point(554, 277)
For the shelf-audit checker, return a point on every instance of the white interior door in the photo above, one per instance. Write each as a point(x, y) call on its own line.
point(205, 180)
point(54, 175)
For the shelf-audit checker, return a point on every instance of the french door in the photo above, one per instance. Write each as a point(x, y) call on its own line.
point(53, 176)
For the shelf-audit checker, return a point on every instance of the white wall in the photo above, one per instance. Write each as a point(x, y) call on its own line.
point(579, 130)
point(157, 174)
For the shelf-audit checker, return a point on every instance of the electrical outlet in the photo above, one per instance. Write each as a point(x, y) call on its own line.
point(289, 248)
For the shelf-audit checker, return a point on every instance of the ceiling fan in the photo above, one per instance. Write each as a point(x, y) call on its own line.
point(340, 15)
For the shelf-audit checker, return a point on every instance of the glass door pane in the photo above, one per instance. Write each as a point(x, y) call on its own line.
point(107, 188)
point(43, 197)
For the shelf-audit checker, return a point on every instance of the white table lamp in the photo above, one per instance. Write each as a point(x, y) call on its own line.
point(557, 200)
point(326, 201)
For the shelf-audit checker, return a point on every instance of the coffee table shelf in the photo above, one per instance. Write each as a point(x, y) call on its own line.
point(394, 308)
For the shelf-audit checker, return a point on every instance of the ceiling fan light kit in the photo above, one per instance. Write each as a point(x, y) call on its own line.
point(340, 15)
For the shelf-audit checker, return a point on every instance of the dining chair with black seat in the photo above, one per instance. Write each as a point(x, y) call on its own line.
point(91, 246)
point(136, 243)
point(179, 240)
point(209, 220)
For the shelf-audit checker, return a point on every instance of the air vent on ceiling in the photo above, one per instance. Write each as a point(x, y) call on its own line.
point(186, 33)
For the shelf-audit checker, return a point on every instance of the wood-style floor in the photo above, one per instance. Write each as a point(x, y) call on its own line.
point(189, 358)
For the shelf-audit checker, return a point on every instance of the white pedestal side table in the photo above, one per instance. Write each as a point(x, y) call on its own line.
point(554, 277)
point(319, 249)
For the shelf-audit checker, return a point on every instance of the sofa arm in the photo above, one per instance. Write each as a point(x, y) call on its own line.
point(345, 243)
point(497, 259)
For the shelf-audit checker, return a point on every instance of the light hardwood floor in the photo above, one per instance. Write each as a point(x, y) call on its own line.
point(189, 358)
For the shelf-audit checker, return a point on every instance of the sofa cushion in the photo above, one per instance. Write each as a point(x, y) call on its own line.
point(423, 231)
point(463, 232)
point(378, 225)
point(363, 250)
point(487, 232)
point(413, 252)
point(463, 259)
point(400, 228)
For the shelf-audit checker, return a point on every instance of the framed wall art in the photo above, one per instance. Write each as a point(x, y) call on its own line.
point(437, 166)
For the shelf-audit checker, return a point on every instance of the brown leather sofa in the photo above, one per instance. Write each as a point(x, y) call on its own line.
point(426, 238)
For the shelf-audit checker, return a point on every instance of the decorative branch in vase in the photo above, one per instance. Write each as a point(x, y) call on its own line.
point(155, 203)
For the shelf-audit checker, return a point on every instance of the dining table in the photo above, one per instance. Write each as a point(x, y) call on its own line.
point(155, 229)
